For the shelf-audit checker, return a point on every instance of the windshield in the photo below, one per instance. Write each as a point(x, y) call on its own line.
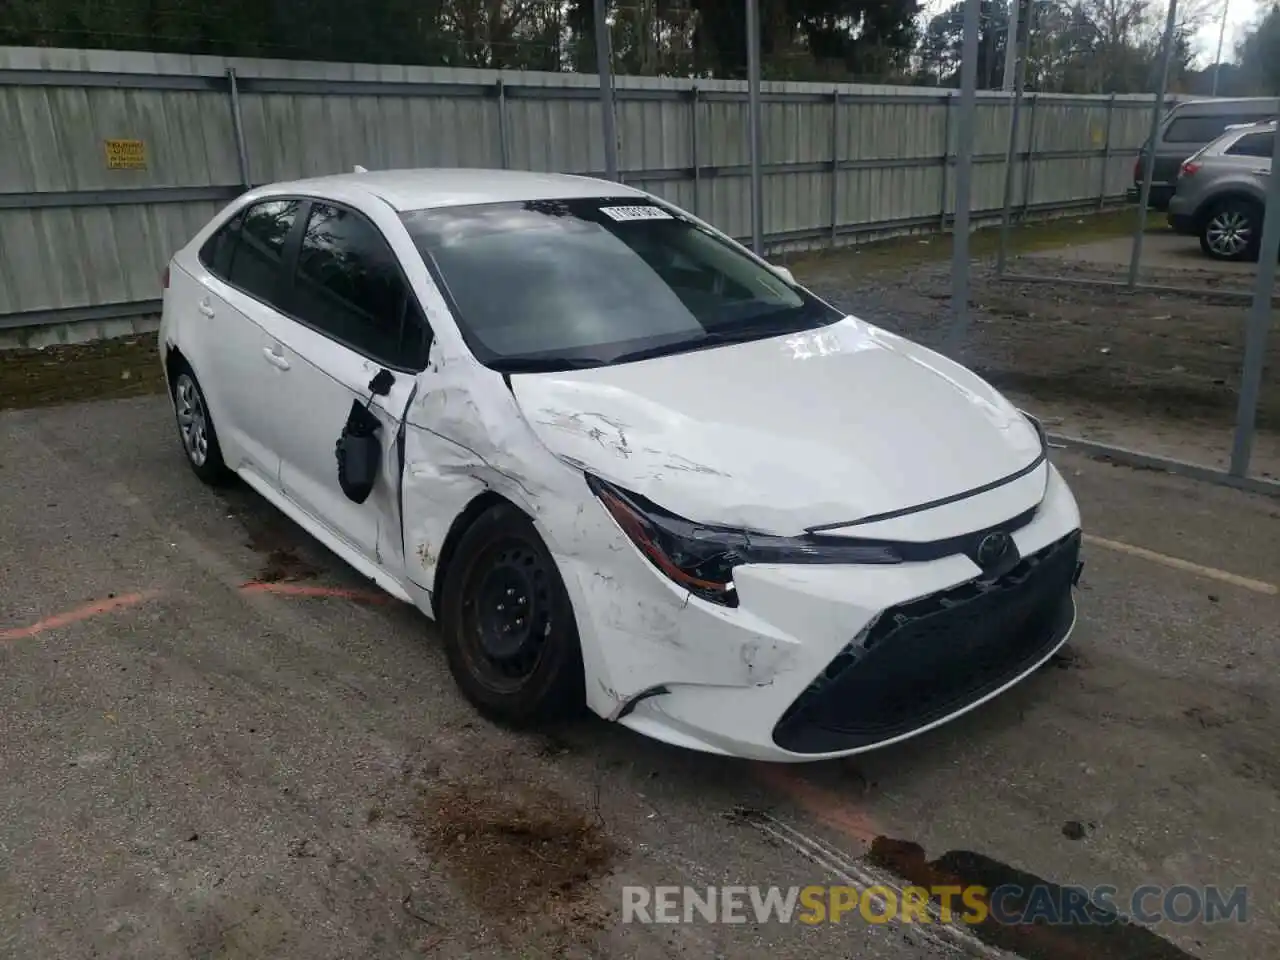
point(561, 284)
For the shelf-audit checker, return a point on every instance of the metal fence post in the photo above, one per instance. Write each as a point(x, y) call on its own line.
point(964, 178)
point(504, 149)
point(237, 125)
point(835, 164)
point(1028, 162)
point(1106, 154)
point(604, 67)
point(946, 157)
point(1011, 152)
point(693, 147)
point(1255, 337)
point(753, 126)
point(1157, 112)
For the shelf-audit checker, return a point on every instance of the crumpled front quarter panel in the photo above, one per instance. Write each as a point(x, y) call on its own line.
point(466, 436)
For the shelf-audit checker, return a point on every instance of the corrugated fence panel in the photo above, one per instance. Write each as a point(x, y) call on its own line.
point(654, 134)
point(74, 256)
point(55, 138)
point(561, 136)
point(73, 237)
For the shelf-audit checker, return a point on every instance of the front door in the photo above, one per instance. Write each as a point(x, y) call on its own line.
point(351, 314)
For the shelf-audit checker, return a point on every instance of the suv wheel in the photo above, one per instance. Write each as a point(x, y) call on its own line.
point(1231, 230)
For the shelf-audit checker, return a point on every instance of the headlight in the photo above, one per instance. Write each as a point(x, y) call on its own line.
point(701, 558)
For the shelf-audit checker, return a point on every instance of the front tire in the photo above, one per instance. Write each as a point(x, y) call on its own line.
point(1232, 230)
point(195, 429)
point(509, 630)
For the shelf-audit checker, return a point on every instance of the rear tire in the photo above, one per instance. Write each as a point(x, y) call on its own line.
point(195, 429)
point(1232, 230)
point(509, 631)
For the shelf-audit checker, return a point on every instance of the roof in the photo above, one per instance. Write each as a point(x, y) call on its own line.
point(455, 186)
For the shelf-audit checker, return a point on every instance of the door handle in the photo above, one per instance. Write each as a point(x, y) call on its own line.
point(275, 359)
point(205, 308)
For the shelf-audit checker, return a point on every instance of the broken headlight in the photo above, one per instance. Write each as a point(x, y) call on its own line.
point(701, 558)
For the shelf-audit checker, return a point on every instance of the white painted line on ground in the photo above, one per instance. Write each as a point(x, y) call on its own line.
point(863, 876)
point(1213, 573)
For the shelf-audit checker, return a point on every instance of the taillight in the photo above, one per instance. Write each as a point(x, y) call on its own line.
point(164, 278)
point(1188, 169)
point(1137, 169)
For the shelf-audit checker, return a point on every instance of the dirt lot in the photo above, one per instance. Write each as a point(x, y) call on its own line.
point(219, 742)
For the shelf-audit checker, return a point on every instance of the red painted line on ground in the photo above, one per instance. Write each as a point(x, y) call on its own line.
point(312, 590)
point(86, 612)
point(826, 806)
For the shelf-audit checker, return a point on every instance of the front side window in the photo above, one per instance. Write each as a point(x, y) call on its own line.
point(258, 256)
point(557, 284)
point(349, 286)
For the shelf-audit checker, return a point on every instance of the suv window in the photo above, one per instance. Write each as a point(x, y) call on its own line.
point(258, 248)
point(1204, 129)
point(1253, 145)
point(349, 286)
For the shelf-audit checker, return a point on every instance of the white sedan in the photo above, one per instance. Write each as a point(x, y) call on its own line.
point(622, 461)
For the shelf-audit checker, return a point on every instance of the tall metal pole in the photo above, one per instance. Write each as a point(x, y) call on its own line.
point(1255, 336)
point(1010, 155)
point(1157, 112)
point(604, 68)
point(1011, 46)
point(753, 125)
point(964, 178)
point(1222, 34)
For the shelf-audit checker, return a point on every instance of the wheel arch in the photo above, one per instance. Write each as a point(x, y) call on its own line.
point(1211, 203)
point(469, 514)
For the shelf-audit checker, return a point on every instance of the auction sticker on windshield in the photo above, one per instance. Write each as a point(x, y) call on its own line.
point(636, 213)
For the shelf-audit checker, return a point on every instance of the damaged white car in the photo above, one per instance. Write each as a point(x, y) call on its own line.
point(622, 461)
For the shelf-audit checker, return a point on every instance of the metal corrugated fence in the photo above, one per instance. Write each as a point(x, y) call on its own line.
point(84, 242)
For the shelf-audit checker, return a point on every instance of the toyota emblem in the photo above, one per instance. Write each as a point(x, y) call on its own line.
point(993, 548)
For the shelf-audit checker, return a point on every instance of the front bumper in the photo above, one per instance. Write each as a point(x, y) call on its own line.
point(825, 661)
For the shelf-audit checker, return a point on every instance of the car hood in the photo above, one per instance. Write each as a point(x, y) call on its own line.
point(829, 426)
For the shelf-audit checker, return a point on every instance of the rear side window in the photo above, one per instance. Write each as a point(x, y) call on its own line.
point(217, 251)
point(258, 253)
point(1253, 145)
point(1204, 129)
point(350, 287)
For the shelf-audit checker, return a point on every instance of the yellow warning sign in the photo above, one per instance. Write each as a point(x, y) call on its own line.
point(126, 155)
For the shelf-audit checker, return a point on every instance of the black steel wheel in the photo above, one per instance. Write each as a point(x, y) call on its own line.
point(509, 630)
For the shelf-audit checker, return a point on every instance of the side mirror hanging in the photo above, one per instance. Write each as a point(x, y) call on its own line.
point(358, 449)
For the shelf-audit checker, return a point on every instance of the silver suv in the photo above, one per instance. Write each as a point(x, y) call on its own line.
point(1221, 192)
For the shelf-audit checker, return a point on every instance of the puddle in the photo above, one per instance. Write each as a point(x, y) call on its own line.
point(1104, 937)
point(523, 854)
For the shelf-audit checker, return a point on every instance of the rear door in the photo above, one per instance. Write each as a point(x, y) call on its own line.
point(235, 296)
point(351, 314)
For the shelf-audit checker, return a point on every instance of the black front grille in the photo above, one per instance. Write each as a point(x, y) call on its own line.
point(928, 658)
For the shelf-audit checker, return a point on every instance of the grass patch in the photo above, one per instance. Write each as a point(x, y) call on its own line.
point(1032, 237)
point(75, 372)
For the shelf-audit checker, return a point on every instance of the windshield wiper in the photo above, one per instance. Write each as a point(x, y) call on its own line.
point(544, 364)
point(760, 329)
